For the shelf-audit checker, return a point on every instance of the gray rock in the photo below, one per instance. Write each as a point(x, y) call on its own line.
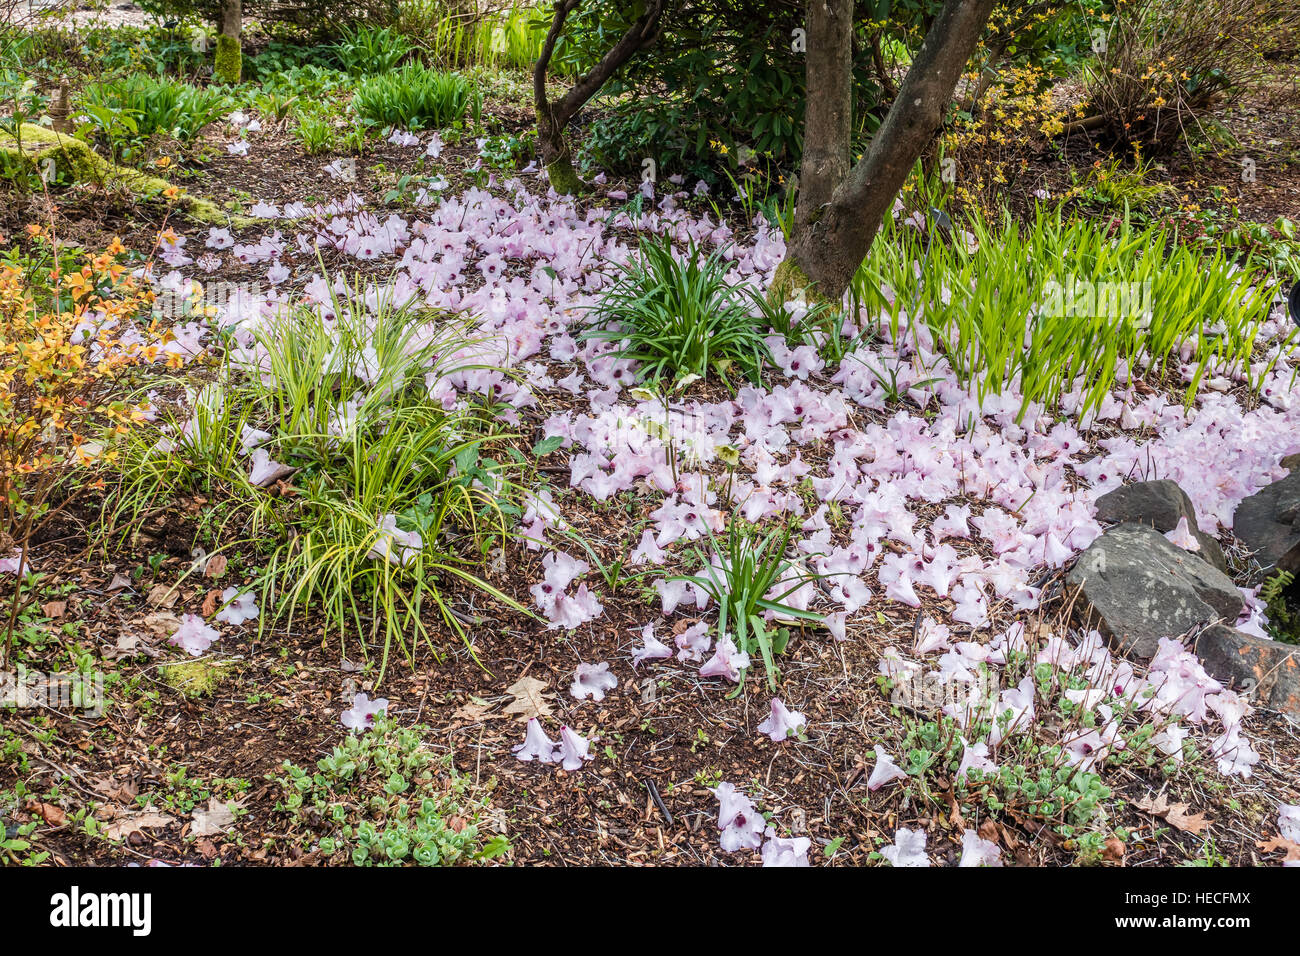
point(1142, 588)
point(1268, 523)
point(1160, 504)
point(1269, 671)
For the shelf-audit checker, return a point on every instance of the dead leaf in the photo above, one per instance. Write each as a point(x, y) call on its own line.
point(119, 581)
point(1277, 843)
point(1175, 814)
point(162, 595)
point(530, 699)
point(55, 609)
point(123, 827)
point(216, 566)
point(1114, 851)
point(161, 623)
point(472, 709)
point(125, 791)
point(213, 820)
point(954, 809)
point(211, 603)
point(48, 812)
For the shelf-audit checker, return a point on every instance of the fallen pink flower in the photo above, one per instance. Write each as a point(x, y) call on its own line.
point(537, 746)
point(393, 544)
point(361, 716)
point(1182, 536)
point(782, 722)
point(193, 636)
point(976, 851)
point(574, 749)
point(785, 851)
point(741, 824)
point(885, 770)
point(1288, 821)
point(693, 643)
point(727, 661)
point(592, 681)
point(908, 849)
point(975, 757)
point(240, 607)
point(652, 648)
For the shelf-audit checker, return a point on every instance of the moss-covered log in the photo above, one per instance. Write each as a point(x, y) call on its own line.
point(73, 159)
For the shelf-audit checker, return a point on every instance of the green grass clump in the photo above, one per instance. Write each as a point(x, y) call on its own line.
point(1050, 304)
point(680, 317)
point(416, 97)
point(152, 105)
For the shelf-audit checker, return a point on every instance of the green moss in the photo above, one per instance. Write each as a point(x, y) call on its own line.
point(564, 179)
point(788, 282)
point(229, 64)
point(77, 161)
point(193, 678)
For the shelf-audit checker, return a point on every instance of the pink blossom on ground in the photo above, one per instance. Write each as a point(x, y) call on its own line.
point(240, 606)
point(266, 471)
point(592, 681)
point(975, 757)
point(651, 648)
point(361, 715)
point(976, 851)
point(1288, 822)
point(782, 722)
point(575, 750)
point(1182, 536)
point(741, 824)
point(727, 661)
point(536, 745)
point(785, 851)
point(885, 770)
point(694, 642)
point(908, 849)
point(193, 636)
point(393, 544)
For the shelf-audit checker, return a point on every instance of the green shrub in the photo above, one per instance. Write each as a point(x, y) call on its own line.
point(382, 798)
point(373, 458)
point(415, 97)
point(389, 450)
point(368, 51)
point(680, 317)
point(315, 134)
point(156, 105)
point(1167, 63)
point(510, 37)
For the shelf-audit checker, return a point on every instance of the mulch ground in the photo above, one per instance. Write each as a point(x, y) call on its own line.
point(664, 734)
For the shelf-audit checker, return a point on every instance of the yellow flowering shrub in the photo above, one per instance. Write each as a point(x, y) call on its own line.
point(70, 323)
point(986, 149)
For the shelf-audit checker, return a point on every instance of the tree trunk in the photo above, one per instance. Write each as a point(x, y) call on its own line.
point(836, 221)
point(232, 18)
point(552, 118)
point(228, 66)
point(828, 116)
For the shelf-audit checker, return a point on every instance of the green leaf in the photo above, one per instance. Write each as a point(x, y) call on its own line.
point(547, 445)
